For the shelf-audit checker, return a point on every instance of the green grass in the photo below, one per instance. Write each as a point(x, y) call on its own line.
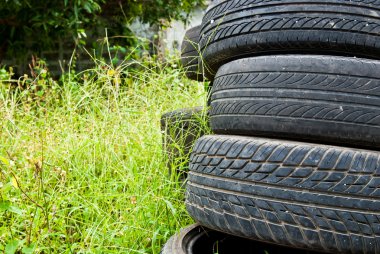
point(82, 166)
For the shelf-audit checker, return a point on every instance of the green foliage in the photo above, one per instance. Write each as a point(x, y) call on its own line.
point(6, 74)
point(82, 170)
point(34, 25)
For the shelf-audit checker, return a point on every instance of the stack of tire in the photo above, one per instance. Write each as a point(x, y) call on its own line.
point(295, 108)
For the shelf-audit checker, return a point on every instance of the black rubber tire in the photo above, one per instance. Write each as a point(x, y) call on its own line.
point(240, 28)
point(303, 195)
point(181, 128)
point(328, 99)
point(196, 239)
point(190, 57)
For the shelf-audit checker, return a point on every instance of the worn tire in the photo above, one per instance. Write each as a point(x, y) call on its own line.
point(303, 195)
point(328, 99)
point(190, 57)
point(196, 239)
point(240, 28)
point(179, 243)
point(181, 128)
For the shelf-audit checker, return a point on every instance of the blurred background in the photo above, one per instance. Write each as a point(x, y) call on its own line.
point(71, 33)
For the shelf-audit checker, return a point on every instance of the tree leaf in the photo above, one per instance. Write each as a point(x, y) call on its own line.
point(4, 205)
point(15, 209)
point(29, 249)
point(11, 247)
point(14, 182)
point(5, 161)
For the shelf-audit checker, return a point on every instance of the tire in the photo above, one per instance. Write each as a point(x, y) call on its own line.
point(328, 99)
point(181, 128)
point(241, 28)
point(303, 195)
point(178, 243)
point(196, 239)
point(190, 58)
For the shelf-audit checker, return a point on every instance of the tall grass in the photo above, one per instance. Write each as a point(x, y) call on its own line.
point(81, 163)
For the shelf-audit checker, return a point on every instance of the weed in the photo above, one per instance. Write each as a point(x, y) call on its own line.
point(82, 166)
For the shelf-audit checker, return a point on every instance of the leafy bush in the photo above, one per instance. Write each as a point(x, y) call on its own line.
point(34, 25)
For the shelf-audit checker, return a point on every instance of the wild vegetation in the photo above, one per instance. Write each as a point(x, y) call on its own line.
point(82, 168)
point(75, 20)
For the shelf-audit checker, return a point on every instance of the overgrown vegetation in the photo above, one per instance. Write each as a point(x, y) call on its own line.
point(81, 163)
point(31, 26)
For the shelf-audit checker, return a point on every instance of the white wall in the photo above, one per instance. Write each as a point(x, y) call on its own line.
point(171, 38)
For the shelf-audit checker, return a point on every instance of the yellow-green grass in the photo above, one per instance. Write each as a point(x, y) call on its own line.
point(81, 161)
